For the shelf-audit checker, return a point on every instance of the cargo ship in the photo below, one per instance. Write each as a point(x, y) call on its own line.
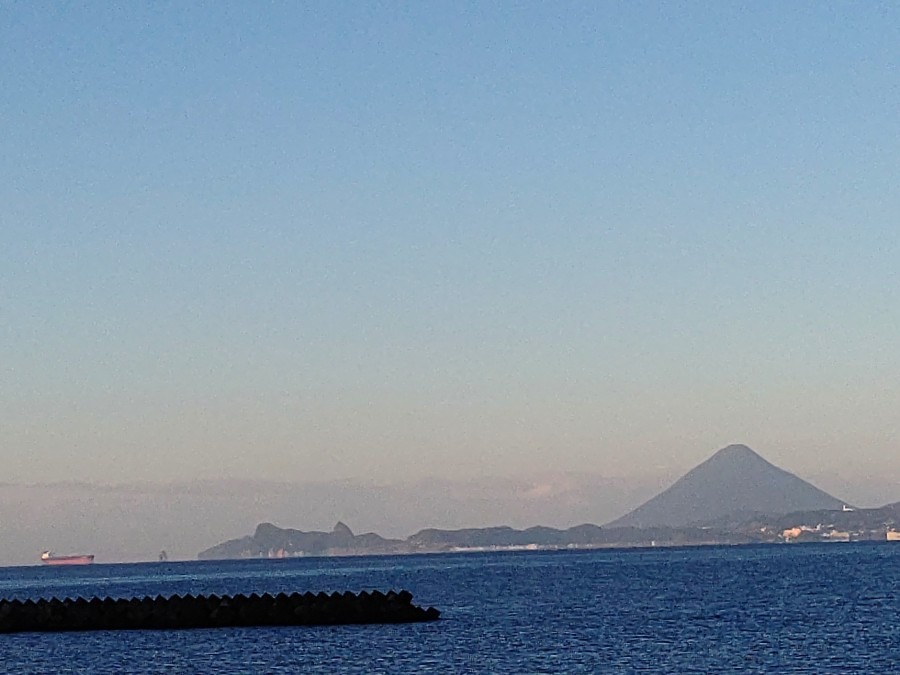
point(49, 558)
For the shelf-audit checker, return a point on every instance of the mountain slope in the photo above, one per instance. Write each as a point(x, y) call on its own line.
point(735, 480)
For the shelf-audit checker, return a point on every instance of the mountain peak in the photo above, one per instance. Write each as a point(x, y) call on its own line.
point(265, 529)
point(342, 529)
point(735, 480)
point(737, 452)
point(737, 449)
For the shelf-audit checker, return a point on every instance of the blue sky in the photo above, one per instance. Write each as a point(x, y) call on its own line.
point(355, 240)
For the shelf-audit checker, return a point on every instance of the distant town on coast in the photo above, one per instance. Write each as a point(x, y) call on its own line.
point(734, 497)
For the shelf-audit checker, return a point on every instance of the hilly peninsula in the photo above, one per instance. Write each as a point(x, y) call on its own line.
point(734, 497)
point(270, 541)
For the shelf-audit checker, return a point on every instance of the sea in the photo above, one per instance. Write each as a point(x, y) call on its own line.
point(809, 608)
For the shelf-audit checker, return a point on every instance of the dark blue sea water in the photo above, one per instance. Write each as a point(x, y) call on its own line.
point(831, 608)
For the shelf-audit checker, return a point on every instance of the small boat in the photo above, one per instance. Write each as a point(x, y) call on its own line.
point(49, 558)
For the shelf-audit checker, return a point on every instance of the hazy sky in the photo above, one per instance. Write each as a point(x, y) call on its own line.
point(367, 240)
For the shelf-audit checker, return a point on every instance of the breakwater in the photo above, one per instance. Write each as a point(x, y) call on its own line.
point(211, 611)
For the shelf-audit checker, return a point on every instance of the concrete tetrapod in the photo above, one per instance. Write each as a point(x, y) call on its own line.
point(212, 611)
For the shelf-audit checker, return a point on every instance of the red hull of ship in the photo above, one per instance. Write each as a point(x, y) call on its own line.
point(70, 560)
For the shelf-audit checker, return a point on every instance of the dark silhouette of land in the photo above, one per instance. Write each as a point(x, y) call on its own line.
point(270, 541)
point(275, 542)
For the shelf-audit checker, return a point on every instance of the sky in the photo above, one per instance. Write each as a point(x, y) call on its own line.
point(382, 241)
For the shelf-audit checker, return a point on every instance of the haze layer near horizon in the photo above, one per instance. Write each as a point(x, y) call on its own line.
point(323, 242)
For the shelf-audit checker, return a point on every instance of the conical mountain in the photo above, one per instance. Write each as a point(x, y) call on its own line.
point(733, 481)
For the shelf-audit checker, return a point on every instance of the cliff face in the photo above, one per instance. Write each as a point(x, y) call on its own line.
point(734, 481)
point(270, 541)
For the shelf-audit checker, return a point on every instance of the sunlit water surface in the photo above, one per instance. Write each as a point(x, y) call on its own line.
point(782, 609)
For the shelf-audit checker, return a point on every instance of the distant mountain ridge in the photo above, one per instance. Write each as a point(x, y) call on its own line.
point(734, 481)
point(733, 497)
point(270, 541)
